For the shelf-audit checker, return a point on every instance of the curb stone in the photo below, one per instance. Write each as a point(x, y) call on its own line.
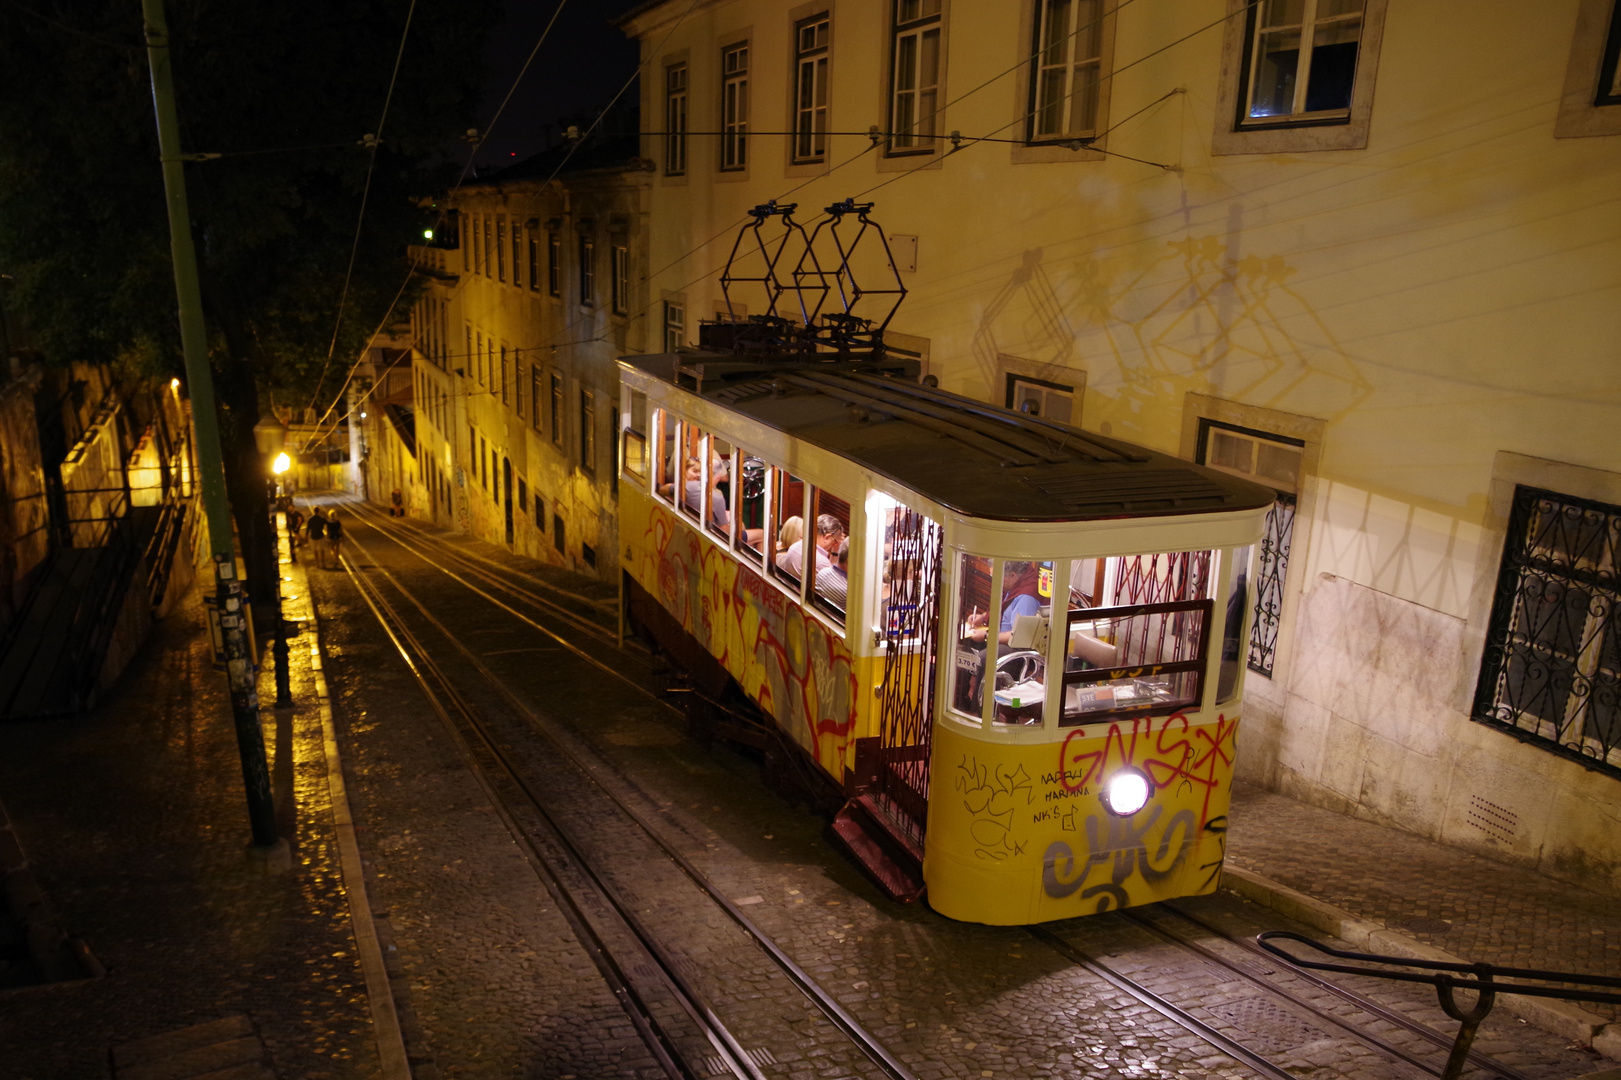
point(1560, 1017)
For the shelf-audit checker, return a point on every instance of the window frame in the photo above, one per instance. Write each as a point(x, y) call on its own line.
point(819, 58)
point(619, 277)
point(677, 84)
point(679, 325)
point(588, 431)
point(1232, 136)
point(556, 409)
point(1585, 107)
point(734, 107)
point(1069, 132)
point(534, 261)
point(554, 264)
point(587, 251)
point(915, 29)
point(501, 248)
point(1590, 648)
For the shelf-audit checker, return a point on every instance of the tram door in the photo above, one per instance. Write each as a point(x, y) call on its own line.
point(909, 606)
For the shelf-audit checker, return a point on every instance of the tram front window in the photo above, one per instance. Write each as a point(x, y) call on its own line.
point(1021, 669)
point(1143, 648)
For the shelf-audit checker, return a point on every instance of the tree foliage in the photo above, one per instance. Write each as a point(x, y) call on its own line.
point(284, 93)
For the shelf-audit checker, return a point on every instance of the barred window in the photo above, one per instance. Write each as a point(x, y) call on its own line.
point(1276, 462)
point(1551, 671)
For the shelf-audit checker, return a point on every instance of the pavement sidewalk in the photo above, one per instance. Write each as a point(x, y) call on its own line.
point(1391, 892)
point(133, 822)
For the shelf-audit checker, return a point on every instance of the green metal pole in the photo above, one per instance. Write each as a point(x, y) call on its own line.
point(239, 664)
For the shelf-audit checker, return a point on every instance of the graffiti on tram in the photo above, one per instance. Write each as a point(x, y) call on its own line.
point(1190, 767)
point(789, 663)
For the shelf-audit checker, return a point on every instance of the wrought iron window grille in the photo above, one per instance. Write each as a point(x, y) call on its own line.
point(1551, 670)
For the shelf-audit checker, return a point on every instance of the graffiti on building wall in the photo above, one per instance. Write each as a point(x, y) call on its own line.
point(792, 665)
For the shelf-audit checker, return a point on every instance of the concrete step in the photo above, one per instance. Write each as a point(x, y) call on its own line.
point(224, 1049)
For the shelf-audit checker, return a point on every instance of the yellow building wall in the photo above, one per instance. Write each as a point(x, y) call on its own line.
point(1445, 296)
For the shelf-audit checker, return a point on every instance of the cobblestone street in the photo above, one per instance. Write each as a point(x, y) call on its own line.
point(134, 823)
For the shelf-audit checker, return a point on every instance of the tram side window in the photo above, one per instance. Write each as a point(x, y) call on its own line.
point(1158, 629)
point(973, 606)
point(788, 519)
point(635, 425)
point(1232, 634)
point(751, 504)
point(904, 565)
point(689, 496)
point(1021, 678)
point(718, 485)
point(830, 579)
point(666, 433)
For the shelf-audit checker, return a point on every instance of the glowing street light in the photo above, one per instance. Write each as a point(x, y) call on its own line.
point(281, 464)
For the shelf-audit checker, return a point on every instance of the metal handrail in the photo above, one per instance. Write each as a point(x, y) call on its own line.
point(1448, 977)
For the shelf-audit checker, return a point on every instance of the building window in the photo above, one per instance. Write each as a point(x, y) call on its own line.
point(915, 80)
point(734, 107)
point(466, 239)
point(588, 431)
point(501, 249)
point(534, 261)
point(478, 360)
point(619, 260)
point(523, 495)
point(1609, 72)
point(1300, 65)
point(483, 463)
point(535, 394)
point(1049, 400)
point(675, 325)
point(554, 264)
point(517, 383)
point(811, 39)
point(675, 120)
point(556, 416)
point(1276, 462)
point(588, 270)
point(505, 396)
point(559, 541)
point(488, 225)
point(517, 253)
point(1068, 69)
point(1551, 672)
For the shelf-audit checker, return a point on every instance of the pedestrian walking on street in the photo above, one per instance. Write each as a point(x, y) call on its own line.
point(317, 531)
point(396, 504)
point(295, 525)
point(334, 537)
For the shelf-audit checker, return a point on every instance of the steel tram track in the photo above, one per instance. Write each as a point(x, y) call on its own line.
point(1225, 1043)
point(496, 764)
point(1360, 1001)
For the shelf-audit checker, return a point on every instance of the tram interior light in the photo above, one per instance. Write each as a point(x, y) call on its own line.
point(1126, 792)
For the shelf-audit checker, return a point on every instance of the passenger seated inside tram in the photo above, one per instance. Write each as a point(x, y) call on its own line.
point(789, 534)
point(828, 534)
point(1020, 596)
point(833, 582)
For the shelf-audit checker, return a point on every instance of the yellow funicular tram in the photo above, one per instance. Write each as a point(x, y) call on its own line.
point(1013, 646)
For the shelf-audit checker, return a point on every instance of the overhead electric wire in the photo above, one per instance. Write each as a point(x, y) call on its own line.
point(365, 193)
point(934, 159)
point(416, 261)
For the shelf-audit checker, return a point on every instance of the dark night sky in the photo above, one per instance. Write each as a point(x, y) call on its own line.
point(582, 64)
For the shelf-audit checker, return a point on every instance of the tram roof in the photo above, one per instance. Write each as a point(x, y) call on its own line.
point(980, 460)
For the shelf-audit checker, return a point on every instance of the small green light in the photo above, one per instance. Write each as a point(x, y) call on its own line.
point(427, 234)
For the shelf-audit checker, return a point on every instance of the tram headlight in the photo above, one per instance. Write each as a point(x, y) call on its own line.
point(1127, 792)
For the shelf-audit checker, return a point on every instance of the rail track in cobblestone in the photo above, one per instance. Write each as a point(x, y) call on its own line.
point(580, 613)
point(1282, 1006)
point(555, 800)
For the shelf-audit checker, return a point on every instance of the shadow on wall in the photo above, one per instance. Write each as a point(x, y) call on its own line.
point(1201, 317)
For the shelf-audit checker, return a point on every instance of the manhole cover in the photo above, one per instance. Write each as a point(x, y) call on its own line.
point(1421, 925)
point(1275, 1029)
